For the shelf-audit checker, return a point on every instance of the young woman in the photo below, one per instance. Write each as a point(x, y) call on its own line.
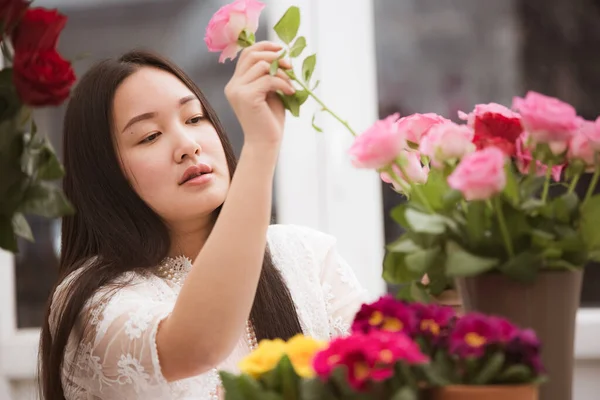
point(169, 269)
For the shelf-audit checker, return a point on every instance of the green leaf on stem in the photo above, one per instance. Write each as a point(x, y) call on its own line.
point(511, 190)
point(414, 291)
point(287, 27)
point(274, 67)
point(398, 214)
point(290, 103)
point(314, 125)
point(438, 280)
point(46, 200)
point(490, 369)
point(561, 208)
point(316, 389)
point(531, 185)
point(590, 218)
point(308, 67)
point(421, 261)
point(8, 239)
point(434, 190)
point(395, 270)
point(477, 221)
point(289, 379)
point(517, 373)
point(301, 96)
point(21, 227)
point(316, 85)
point(250, 388)
point(404, 245)
point(425, 223)
point(298, 47)
point(460, 263)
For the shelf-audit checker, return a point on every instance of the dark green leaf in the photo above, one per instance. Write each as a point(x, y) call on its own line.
point(561, 208)
point(398, 214)
point(425, 223)
point(560, 264)
point(406, 393)
point(462, 263)
point(421, 261)
point(395, 270)
point(590, 218)
point(443, 366)
point(46, 200)
point(290, 103)
point(451, 199)
point(511, 190)
point(490, 369)
point(531, 185)
point(314, 125)
point(231, 386)
point(250, 388)
point(434, 375)
point(289, 379)
point(517, 373)
point(523, 267)
point(315, 389)
point(298, 47)
point(414, 291)
point(403, 245)
point(308, 67)
point(8, 240)
point(51, 168)
point(438, 280)
point(287, 27)
point(21, 227)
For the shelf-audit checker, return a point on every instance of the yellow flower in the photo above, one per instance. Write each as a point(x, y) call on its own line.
point(301, 351)
point(265, 358)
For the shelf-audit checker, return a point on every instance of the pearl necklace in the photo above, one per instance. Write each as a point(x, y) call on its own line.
point(175, 270)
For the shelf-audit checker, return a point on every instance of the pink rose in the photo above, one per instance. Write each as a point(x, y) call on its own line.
point(415, 126)
point(494, 125)
point(594, 135)
point(547, 119)
point(379, 145)
point(415, 171)
point(447, 141)
point(580, 146)
point(480, 175)
point(225, 27)
point(524, 158)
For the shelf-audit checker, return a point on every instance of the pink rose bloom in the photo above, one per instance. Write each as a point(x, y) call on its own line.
point(480, 175)
point(415, 171)
point(225, 27)
point(594, 135)
point(547, 119)
point(524, 158)
point(379, 145)
point(415, 126)
point(447, 141)
point(580, 146)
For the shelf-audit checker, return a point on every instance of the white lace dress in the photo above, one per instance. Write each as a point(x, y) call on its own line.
point(118, 357)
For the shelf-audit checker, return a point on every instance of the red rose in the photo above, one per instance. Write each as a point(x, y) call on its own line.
point(42, 78)
point(38, 30)
point(11, 11)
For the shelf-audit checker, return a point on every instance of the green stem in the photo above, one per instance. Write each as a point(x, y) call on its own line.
point(323, 106)
point(416, 189)
point(573, 184)
point(503, 227)
point(593, 184)
point(547, 182)
point(398, 180)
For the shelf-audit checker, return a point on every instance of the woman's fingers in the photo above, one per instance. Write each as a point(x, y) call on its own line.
point(250, 55)
point(260, 69)
point(268, 83)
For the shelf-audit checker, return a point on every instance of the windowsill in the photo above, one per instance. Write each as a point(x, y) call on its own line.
point(587, 332)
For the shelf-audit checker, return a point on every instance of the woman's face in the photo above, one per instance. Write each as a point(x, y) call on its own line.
point(169, 150)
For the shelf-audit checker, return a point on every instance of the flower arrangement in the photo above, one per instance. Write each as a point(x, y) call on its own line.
point(395, 348)
point(33, 74)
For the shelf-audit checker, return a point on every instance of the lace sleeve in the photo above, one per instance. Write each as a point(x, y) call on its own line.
point(342, 292)
point(117, 355)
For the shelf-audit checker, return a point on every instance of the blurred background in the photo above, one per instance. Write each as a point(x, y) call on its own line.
point(377, 57)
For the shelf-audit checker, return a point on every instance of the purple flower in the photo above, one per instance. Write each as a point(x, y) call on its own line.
point(525, 349)
point(472, 334)
point(386, 314)
point(433, 320)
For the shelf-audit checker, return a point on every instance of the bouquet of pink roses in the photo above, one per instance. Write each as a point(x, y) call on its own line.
point(479, 192)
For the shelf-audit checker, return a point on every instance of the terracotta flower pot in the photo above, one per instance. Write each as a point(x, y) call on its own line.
point(498, 392)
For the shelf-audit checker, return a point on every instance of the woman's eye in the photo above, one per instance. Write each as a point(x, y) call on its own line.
point(151, 138)
point(195, 120)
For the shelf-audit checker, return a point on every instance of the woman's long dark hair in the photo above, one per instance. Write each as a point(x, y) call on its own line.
point(114, 227)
